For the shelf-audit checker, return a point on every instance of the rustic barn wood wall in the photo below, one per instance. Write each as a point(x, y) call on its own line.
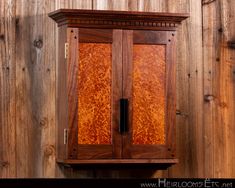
point(205, 88)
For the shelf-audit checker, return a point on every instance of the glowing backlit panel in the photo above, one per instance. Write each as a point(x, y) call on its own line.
point(94, 93)
point(149, 94)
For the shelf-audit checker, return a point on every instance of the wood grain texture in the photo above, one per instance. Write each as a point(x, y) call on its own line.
point(94, 93)
point(190, 134)
point(127, 83)
point(211, 40)
point(151, 37)
point(171, 94)
point(114, 5)
point(24, 112)
point(7, 90)
point(116, 91)
point(219, 87)
point(226, 93)
point(35, 90)
point(61, 95)
point(149, 68)
point(218, 29)
point(97, 35)
point(152, 5)
point(48, 87)
point(182, 92)
point(94, 151)
point(117, 19)
point(72, 66)
point(195, 131)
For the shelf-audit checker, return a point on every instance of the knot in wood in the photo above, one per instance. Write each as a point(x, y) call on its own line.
point(208, 98)
point(206, 2)
point(43, 122)
point(2, 37)
point(17, 20)
point(4, 163)
point(179, 113)
point(231, 44)
point(220, 30)
point(223, 105)
point(38, 43)
point(49, 150)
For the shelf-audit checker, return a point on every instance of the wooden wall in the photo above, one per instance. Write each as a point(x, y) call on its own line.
point(205, 88)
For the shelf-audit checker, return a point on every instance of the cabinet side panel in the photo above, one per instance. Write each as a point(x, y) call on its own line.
point(61, 95)
point(149, 94)
point(94, 93)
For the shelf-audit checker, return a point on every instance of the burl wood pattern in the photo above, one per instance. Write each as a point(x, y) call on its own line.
point(94, 93)
point(148, 94)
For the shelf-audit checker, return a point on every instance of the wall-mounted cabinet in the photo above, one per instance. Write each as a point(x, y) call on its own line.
point(116, 87)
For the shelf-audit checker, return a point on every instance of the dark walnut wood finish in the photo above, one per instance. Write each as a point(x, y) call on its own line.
point(117, 19)
point(122, 30)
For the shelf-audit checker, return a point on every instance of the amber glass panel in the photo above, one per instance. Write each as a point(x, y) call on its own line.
point(94, 93)
point(148, 94)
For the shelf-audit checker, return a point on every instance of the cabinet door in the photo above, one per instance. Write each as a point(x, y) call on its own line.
point(149, 85)
point(93, 93)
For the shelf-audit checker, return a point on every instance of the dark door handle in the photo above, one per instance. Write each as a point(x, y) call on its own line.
point(123, 115)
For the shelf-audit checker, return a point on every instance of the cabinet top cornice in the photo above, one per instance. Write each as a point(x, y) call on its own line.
point(117, 19)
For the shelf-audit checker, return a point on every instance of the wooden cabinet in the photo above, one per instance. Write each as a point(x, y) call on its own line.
point(116, 87)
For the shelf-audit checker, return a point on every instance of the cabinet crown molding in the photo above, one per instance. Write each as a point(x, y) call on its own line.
point(117, 19)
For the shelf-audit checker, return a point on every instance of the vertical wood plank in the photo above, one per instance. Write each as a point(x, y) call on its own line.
point(190, 107)
point(100, 4)
point(48, 76)
point(211, 41)
point(152, 5)
point(73, 4)
point(195, 100)
point(223, 87)
point(23, 116)
point(82, 4)
point(182, 89)
point(115, 5)
point(228, 23)
point(7, 89)
point(218, 29)
point(35, 90)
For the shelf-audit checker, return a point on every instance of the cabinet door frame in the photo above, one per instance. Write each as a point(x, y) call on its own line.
point(167, 38)
point(122, 44)
point(93, 151)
